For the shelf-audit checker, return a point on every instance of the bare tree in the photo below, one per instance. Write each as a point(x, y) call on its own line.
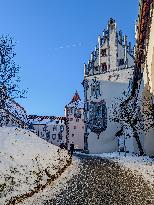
point(135, 113)
point(9, 74)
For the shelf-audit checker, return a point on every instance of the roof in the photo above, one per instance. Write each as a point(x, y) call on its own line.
point(76, 101)
point(76, 97)
point(35, 119)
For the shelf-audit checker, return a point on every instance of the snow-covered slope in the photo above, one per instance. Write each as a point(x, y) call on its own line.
point(25, 162)
point(16, 110)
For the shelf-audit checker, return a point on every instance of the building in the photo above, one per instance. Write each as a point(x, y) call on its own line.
point(50, 128)
point(145, 72)
point(74, 113)
point(107, 77)
point(67, 129)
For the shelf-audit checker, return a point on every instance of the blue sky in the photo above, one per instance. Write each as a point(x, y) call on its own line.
point(54, 39)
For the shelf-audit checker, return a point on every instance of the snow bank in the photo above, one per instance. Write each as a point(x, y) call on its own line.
point(56, 187)
point(26, 161)
point(142, 166)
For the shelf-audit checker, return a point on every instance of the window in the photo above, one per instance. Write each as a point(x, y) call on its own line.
point(71, 111)
point(68, 112)
point(45, 128)
point(77, 113)
point(47, 136)
point(103, 52)
point(121, 62)
point(71, 119)
point(60, 137)
point(86, 106)
point(72, 135)
point(61, 128)
point(103, 67)
point(98, 111)
point(57, 122)
point(74, 127)
point(53, 136)
point(55, 128)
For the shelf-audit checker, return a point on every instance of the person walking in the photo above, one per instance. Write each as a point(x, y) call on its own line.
point(71, 148)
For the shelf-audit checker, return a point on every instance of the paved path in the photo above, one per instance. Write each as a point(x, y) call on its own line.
point(101, 182)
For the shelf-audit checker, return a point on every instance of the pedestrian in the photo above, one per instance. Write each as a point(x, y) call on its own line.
point(62, 145)
point(71, 148)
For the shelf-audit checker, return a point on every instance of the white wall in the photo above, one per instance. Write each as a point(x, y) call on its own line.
point(110, 90)
point(53, 139)
point(76, 129)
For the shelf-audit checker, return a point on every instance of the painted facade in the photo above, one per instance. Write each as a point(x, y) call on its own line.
point(107, 77)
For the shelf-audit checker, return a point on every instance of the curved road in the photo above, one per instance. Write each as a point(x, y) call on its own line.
point(101, 182)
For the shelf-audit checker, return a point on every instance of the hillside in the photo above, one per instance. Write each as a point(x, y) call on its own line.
point(26, 162)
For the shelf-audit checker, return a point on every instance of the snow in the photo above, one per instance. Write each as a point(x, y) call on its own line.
point(50, 120)
point(140, 166)
point(56, 187)
point(23, 160)
point(15, 109)
point(77, 104)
